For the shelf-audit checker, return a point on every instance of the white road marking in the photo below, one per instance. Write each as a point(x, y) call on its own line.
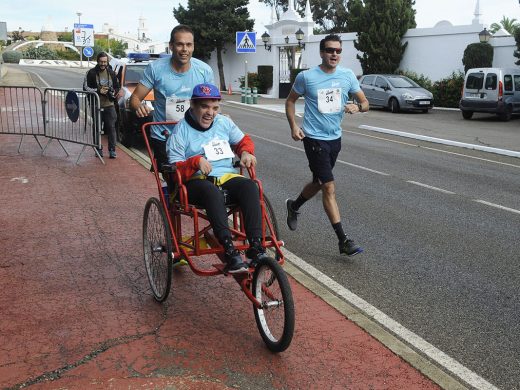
point(497, 206)
point(418, 343)
point(434, 149)
point(489, 149)
point(430, 187)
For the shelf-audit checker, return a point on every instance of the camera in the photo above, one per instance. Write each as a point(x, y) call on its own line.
point(111, 95)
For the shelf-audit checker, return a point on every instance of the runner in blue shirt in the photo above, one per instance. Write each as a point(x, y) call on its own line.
point(326, 89)
point(202, 149)
point(172, 80)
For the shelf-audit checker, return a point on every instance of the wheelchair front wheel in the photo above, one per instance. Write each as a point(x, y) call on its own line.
point(275, 318)
point(157, 248)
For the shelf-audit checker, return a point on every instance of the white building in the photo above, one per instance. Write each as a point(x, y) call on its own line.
point(139, 42)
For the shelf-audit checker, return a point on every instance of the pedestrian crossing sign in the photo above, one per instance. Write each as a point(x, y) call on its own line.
point(246, 42)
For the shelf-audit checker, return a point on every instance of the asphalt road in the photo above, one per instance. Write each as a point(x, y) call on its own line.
point(440, 225)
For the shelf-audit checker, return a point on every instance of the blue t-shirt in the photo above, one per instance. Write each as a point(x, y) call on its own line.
point(187, 142)
point(173, 89)
point(325, 97)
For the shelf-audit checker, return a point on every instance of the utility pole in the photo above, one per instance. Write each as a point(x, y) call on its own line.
point(80, 50)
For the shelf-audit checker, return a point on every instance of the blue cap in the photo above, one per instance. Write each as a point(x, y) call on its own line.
point(206, 91)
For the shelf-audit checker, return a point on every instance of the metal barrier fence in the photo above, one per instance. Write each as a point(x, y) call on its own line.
point(21, 111)
point(73, 116)
point(60, 114)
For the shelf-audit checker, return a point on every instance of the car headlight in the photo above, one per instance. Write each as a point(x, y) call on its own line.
point(407, 96)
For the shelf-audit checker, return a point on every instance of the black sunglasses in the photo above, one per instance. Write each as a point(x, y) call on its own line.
point(331, 50)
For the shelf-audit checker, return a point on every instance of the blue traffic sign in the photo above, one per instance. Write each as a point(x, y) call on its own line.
point(88, 51)
point(72, 106)
point(246, 42)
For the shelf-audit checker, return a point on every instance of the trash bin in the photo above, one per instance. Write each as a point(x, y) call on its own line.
point(255, 95)
point(249, 98)
point(243, 95)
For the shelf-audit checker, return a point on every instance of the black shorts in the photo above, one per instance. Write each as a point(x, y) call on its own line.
point(159, 152)
point(322, 157)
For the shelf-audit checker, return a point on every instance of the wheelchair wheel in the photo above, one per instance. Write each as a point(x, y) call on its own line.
point(275, 319)
point(270, 213)
point(157, 246)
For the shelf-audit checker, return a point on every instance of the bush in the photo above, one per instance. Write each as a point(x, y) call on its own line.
point(67, 55)
point(446, 92)
point(252, 80)
point(11, 56)
point(294, 73)
point(421, 79)
point(265, 78)
point(40, 53)
point(478, 55)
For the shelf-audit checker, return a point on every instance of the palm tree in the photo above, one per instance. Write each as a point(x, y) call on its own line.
point(507, 24)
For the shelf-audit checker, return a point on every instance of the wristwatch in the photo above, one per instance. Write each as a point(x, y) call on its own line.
point(360, 106)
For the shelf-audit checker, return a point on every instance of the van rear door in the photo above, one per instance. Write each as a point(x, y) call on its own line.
point(482, 87)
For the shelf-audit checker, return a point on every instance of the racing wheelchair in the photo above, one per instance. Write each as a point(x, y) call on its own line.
point(176, 232)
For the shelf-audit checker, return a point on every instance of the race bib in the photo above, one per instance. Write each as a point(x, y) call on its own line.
point(329, 100)
point(176, 107)
point(218, 149)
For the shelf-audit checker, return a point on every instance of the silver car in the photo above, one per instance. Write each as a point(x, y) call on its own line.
point(395, 93)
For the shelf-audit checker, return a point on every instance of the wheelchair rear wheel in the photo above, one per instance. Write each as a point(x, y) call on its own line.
point(157, 247)
point(272, 217)
point(275, 318)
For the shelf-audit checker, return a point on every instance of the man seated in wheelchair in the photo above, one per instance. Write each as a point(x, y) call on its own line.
point(202, 147)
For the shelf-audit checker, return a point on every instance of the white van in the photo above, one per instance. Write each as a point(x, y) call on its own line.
point(492, 90)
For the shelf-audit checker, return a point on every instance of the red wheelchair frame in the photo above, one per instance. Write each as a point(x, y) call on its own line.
point(165, 247)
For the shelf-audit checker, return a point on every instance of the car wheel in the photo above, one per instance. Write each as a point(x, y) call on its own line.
point(467, 114)
point(507, 114)
point(394, 105)
point(125, 135)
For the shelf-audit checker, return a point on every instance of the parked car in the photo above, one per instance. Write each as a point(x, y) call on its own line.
point(130, 71)
point(395, 92)
point(492, 90)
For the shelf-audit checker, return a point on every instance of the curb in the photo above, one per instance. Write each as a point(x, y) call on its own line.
point(488, 149)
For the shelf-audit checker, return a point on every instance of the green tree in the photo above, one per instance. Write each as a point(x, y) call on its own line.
point(113, 46)
point(478, 55)
point(65, 37)
point(381, 25)
point(17, 36)
point(507, 24)
point(516, 53)
point(214, 23)
point(329, 15)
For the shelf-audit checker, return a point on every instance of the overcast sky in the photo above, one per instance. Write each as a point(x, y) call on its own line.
point(31, 15)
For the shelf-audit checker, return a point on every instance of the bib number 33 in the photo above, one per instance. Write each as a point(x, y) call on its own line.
point(218, 150)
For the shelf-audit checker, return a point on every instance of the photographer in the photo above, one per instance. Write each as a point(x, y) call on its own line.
point(102, 80)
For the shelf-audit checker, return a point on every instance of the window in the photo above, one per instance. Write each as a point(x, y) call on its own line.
point(508, 82)
point(517, 82)
point(475, 81)
point(491, 81)
point(381, 83)
point(368, 80)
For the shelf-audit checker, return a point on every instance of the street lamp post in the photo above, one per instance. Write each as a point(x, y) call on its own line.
point(80, 50)
point(484, 36)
